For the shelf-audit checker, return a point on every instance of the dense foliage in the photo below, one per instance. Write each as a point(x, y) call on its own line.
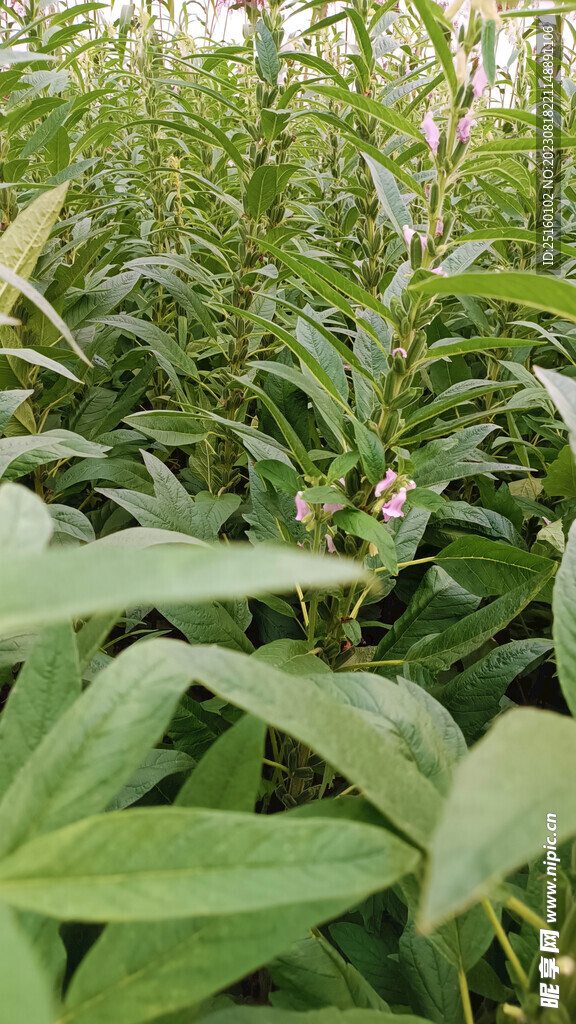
point(254, 298)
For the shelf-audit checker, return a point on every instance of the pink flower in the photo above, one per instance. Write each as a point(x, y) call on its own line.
point(431, 132)
point(438, 270)
point(479, 81)
point(410, 485)
point(463, 127)
point(335, 507)
point(399, 352)
point(439, 228)
point(302, 509)
point(409, 235)
point(393, 508)
point(545, 520)
point(384, 484)
point(330, 544)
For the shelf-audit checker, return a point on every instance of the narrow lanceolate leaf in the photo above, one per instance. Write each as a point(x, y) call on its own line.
point(539, 291)
point(63, 584)
point(426, 11)
point(487, 568)
point(440, 652)
point(489, 36)
point(267, 53)
point(25, 523)
point(47, 685)
point(522, 771)
point(26, 995)
point(158, 863)
point(24, 240)
point(228, 776)
point(564, 624)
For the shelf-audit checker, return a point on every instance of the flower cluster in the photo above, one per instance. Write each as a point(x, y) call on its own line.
point(392, 509)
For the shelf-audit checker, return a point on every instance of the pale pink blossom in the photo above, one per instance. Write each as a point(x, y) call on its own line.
point(439, 230)
point(545, 520)
point(330, 544)
point(302, 508)
point(438, 270)
point(410, 485)
point(399, 352)
point(384, 484)
point(334, 506)
point(463, 127)
point(431, 132)
point(479, 81)
point(393, 508)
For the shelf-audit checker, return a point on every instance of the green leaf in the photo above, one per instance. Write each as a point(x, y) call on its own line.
point(24, 239)
point(360, 524)
point(564, 625)
point(47, 685)
point(371, 452)
point(26, 995)
point(264, 186)
point(440, 652)
point(62, 584)
point(156, 765)
point(267, 53)
point(133, 969)
point(9, 402)
point(539, 291)
point(94, 747)
point(25, 523)
point(389, 194)
point(560, 480)
point(432, 979)
point(278, 473)
point(562, 391)
point(489, 39)
point(156, 863)
point(228, 776)
point(382, 113)
point(176, 429)
point(429, 17)
point(473, 696)
point(326, 1015)
point(487, 568)
point(437, 604)
point(520, 772)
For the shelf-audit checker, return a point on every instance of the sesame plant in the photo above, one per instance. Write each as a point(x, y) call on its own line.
point(287, 554)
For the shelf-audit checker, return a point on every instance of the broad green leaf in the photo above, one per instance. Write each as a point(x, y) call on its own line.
point(389, 194)
point(25, 523)
point(440, 652)
point(133, 969)
point(170, 428)
point(24, 239)
point(26, 995)
point(520, 772)
point(436, 604)
point(432, 979)
point(63, 584)
point(47, 685)
point(459, 346)
point(50, 446)
point(560, 480)
point(267, 53)
point(371, 452)
point(47, 129)
point(157, 863)
point(539, 291)
point(387, 115)
point(209, 623)
point(94, 747)
point(314, 974)
point(9, 402)
point(228, 776)
point(564, 624)
point(473, 696)
point(456, 456)
point(487, 568)
point(327, 723)
point(360, 524)
point(264, 186)
point(156, 765)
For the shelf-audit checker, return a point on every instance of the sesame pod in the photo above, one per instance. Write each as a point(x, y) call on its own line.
point(469, 97)
point(441, 152)
point(434, 195)
point(415, 251)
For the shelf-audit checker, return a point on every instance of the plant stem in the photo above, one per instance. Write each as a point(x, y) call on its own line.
point(517, 907)
point(465, 993)
point(505, 943)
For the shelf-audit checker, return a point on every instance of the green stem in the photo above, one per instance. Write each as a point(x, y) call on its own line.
point(505, 943)
point(465, 993)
